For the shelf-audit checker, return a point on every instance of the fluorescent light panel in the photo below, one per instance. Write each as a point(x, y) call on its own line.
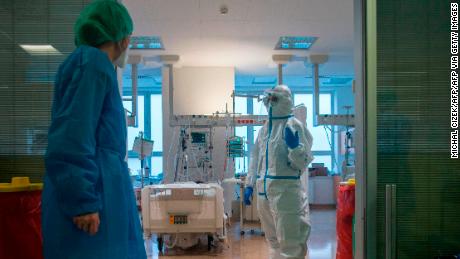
point(40, 50)
point(146, 42)
point(295, 42)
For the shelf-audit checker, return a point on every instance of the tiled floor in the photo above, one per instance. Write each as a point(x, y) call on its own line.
point(322, 243)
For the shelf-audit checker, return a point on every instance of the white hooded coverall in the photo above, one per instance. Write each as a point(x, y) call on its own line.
point(282, 202)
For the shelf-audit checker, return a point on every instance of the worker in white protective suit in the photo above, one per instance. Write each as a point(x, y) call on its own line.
point(281, 153)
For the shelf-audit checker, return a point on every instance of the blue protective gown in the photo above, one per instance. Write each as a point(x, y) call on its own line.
point(85, 167)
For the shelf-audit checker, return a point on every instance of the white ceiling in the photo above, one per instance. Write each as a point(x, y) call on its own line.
point(246, 36)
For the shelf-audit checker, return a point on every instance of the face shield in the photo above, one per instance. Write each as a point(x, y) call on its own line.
point(279, 100)
point(270, 98)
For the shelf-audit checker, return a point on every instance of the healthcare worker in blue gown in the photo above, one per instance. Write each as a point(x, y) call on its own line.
point(88, 201)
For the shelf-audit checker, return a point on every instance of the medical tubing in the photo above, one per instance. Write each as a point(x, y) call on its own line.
point(169, 155)
point(334, 161)
point(173, 244)
point(176, 166)
point(193, 159)
point(226, 156)
point(225, 168)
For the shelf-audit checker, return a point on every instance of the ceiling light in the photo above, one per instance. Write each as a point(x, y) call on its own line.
point(295, 42)
point(146, 42)
point(40, 50)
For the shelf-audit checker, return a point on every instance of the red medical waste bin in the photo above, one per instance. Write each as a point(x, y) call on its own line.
point(20, 216)
point(345, 214)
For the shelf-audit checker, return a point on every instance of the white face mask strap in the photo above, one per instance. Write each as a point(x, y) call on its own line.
point(120, 48)
point(123, 57)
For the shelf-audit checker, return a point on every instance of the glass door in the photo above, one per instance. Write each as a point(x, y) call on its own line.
point(413, 183)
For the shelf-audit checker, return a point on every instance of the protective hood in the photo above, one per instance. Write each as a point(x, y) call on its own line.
point(280, 100)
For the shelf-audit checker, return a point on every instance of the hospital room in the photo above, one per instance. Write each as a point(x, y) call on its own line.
point(224, 56)
point(320, 129)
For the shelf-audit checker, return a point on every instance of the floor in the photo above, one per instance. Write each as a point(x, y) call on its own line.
point(321, 245)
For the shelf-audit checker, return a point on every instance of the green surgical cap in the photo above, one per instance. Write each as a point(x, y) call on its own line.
point(102, 21)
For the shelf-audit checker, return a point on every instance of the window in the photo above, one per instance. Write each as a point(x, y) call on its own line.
point(259, 108)
point(156, 116)
point(26, 86)
point(322, 137)
point(149, 121)
point(156, 166)
point(133, 132)
point(256, 132)
point(241, 107)
point(241, 165)
point(134, 165)
point(326, 160)
point(156, 133)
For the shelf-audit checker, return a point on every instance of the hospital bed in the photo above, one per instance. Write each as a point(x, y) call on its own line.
point(183, 209)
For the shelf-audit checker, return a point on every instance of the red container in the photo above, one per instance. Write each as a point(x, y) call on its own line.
point(345, 213)
point(20, 221)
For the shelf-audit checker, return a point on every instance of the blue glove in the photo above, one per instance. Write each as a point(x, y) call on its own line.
point(247, 195)
point(292, 141)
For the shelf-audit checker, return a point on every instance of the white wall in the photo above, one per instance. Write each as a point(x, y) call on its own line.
point(203, 90)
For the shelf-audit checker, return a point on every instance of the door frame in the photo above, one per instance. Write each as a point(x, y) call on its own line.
point(365, 88)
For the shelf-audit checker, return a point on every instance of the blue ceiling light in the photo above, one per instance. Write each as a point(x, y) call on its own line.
point(156, 45)
point(146, 42)
point(295, 42)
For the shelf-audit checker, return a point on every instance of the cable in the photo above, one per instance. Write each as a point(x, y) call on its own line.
point(169, 153)
point(334, 161)
point(173, 244)
point(335, 131)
